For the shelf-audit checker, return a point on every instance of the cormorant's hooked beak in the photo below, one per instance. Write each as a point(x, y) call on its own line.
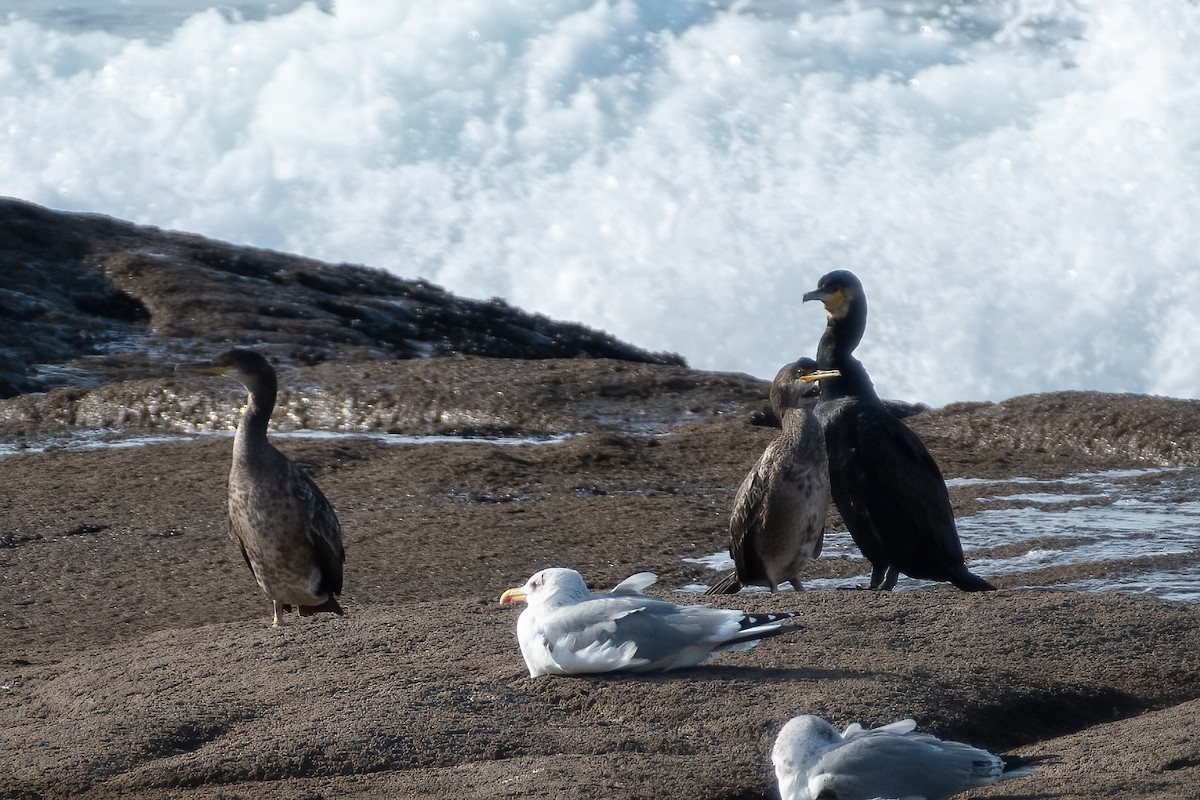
point(830, 300)
point(819, 375)
point(202, 368)
point(513, 596)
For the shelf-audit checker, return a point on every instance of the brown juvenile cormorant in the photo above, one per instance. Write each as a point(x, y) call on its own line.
point(778, 517)
point(286, 529)
point(885, 484)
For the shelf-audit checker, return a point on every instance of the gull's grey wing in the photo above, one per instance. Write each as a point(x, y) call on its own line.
point(598, 631)
point(885, 765)
point(899, 726)
point(634, 584)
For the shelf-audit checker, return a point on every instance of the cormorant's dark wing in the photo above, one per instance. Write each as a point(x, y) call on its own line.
point(233, 534)
point(324, 531)
point(906, 498)
point(746, 522)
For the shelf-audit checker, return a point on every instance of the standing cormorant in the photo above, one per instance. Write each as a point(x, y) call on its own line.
point(885, 483)
point(286, 529)
point(778, 518)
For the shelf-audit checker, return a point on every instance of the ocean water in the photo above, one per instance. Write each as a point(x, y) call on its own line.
point(1016, 181)
point(84, 441)
point(1145, 514)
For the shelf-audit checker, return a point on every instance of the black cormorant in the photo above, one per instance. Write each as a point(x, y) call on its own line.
point(286, 529)
point(778, 517)
point(885, 484)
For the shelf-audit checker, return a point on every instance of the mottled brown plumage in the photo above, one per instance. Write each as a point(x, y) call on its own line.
point(778, 520)
point(285, 527)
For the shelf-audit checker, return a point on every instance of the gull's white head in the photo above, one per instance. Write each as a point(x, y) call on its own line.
point(798, 748)
point(550, 588)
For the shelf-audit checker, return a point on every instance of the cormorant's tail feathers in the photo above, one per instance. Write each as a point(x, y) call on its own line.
point(970, 582)
point(727, 585)
point(331, 606)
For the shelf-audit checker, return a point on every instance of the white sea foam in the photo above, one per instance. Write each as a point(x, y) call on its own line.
point(104, 440)
point(1017, 183)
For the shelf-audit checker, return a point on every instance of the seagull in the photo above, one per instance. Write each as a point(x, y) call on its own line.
point(284, 526)
point(815, 762)
point(567, 630)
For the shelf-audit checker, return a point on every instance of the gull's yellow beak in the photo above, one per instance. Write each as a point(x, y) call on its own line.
point(819, 375)
point(511, 596)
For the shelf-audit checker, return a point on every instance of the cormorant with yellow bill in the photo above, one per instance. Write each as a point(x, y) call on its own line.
point(778, 518)
point(884, 482)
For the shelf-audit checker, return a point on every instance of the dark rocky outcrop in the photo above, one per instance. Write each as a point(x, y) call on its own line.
point(87, 298)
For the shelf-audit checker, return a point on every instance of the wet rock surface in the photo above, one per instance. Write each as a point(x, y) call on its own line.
point(137, 658)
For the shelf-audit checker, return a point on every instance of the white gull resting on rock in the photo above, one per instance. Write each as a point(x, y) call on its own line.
point(567, 630)
point(815, 762)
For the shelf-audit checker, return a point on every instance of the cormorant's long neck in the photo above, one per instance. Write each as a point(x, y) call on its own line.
point(836, 351)
point(258, 410)
point(854, 381)
point(842, 334)
point(799, 421)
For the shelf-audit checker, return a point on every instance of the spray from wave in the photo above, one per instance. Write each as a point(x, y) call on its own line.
point(1017, 183)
